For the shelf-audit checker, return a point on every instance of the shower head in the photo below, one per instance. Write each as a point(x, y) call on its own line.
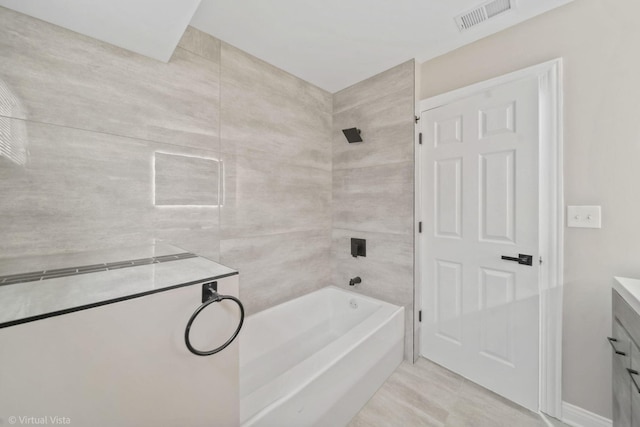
point(353, 135)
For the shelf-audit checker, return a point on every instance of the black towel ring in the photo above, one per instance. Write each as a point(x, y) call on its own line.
point(215, 297)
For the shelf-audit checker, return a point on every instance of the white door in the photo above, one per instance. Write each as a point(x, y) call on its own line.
point(479, 173)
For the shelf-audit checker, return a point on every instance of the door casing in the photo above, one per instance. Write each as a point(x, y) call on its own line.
point(551, 222)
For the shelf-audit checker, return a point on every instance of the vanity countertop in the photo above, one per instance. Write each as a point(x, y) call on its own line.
point(629, 289)
point(38, 287)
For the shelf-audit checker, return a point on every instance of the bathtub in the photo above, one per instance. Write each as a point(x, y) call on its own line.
point(317, 359)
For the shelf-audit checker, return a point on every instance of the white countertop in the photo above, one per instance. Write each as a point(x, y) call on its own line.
point(40, 298)
point(629, 289)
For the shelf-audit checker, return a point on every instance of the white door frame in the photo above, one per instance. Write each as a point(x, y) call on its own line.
point(549, 75)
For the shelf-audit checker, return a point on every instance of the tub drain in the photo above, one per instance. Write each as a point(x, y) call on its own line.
point(353, 303)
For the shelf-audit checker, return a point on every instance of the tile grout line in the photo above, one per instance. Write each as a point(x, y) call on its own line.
point(368, 101)
point(259, 155)
point(352, 230)
point(307, 230)
point(373, 166)
point(222, 190)
point(197, 54)
point(58, 125)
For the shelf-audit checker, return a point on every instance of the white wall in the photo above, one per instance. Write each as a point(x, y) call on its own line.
point(599, 43)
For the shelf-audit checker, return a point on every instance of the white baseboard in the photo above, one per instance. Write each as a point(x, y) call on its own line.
point(578, 417)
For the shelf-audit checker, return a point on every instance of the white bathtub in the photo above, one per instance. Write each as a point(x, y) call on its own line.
point(317, 359)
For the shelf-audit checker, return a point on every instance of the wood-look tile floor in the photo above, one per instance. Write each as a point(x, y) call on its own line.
point(425, 394)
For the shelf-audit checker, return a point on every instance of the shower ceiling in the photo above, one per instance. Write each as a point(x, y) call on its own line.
point(331, 43)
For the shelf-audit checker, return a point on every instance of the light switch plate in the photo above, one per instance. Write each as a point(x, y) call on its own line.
point(584, 216)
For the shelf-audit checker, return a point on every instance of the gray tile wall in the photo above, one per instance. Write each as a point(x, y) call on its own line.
point(88, 118)
point(80, 121)
point(276, 150)
point(373, 188)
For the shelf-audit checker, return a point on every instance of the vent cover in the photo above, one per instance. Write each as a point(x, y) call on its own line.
point(482, 13)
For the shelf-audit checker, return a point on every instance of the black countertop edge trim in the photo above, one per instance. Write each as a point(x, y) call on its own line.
point(112, 301)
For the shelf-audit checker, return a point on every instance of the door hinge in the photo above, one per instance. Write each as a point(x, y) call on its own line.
point(420, 138)
point(420, 316)
point(420, 227)
point(417, 118)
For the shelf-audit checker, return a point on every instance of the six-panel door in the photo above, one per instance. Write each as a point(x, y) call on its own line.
point(479, 173)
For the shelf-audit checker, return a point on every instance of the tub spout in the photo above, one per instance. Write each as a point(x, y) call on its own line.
point(355, 281)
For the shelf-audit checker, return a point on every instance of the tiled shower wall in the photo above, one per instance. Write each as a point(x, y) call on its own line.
point(276, 149)
point(373, 188)
point(80, 121)
point(101, 147)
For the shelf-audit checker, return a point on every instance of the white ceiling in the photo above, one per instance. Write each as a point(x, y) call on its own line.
point(336, 43)
point(331, 43)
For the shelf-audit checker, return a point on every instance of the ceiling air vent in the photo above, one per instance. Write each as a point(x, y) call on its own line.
point(482, 13)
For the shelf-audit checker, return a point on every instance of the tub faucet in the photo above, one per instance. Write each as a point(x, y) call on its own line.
point(355, 281)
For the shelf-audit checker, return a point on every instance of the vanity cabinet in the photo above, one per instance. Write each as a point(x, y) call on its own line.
point(625, 347)
point(635, 385)
point(621, 347)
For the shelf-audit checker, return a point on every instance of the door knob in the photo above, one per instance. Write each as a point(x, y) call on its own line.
point(522, 259)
